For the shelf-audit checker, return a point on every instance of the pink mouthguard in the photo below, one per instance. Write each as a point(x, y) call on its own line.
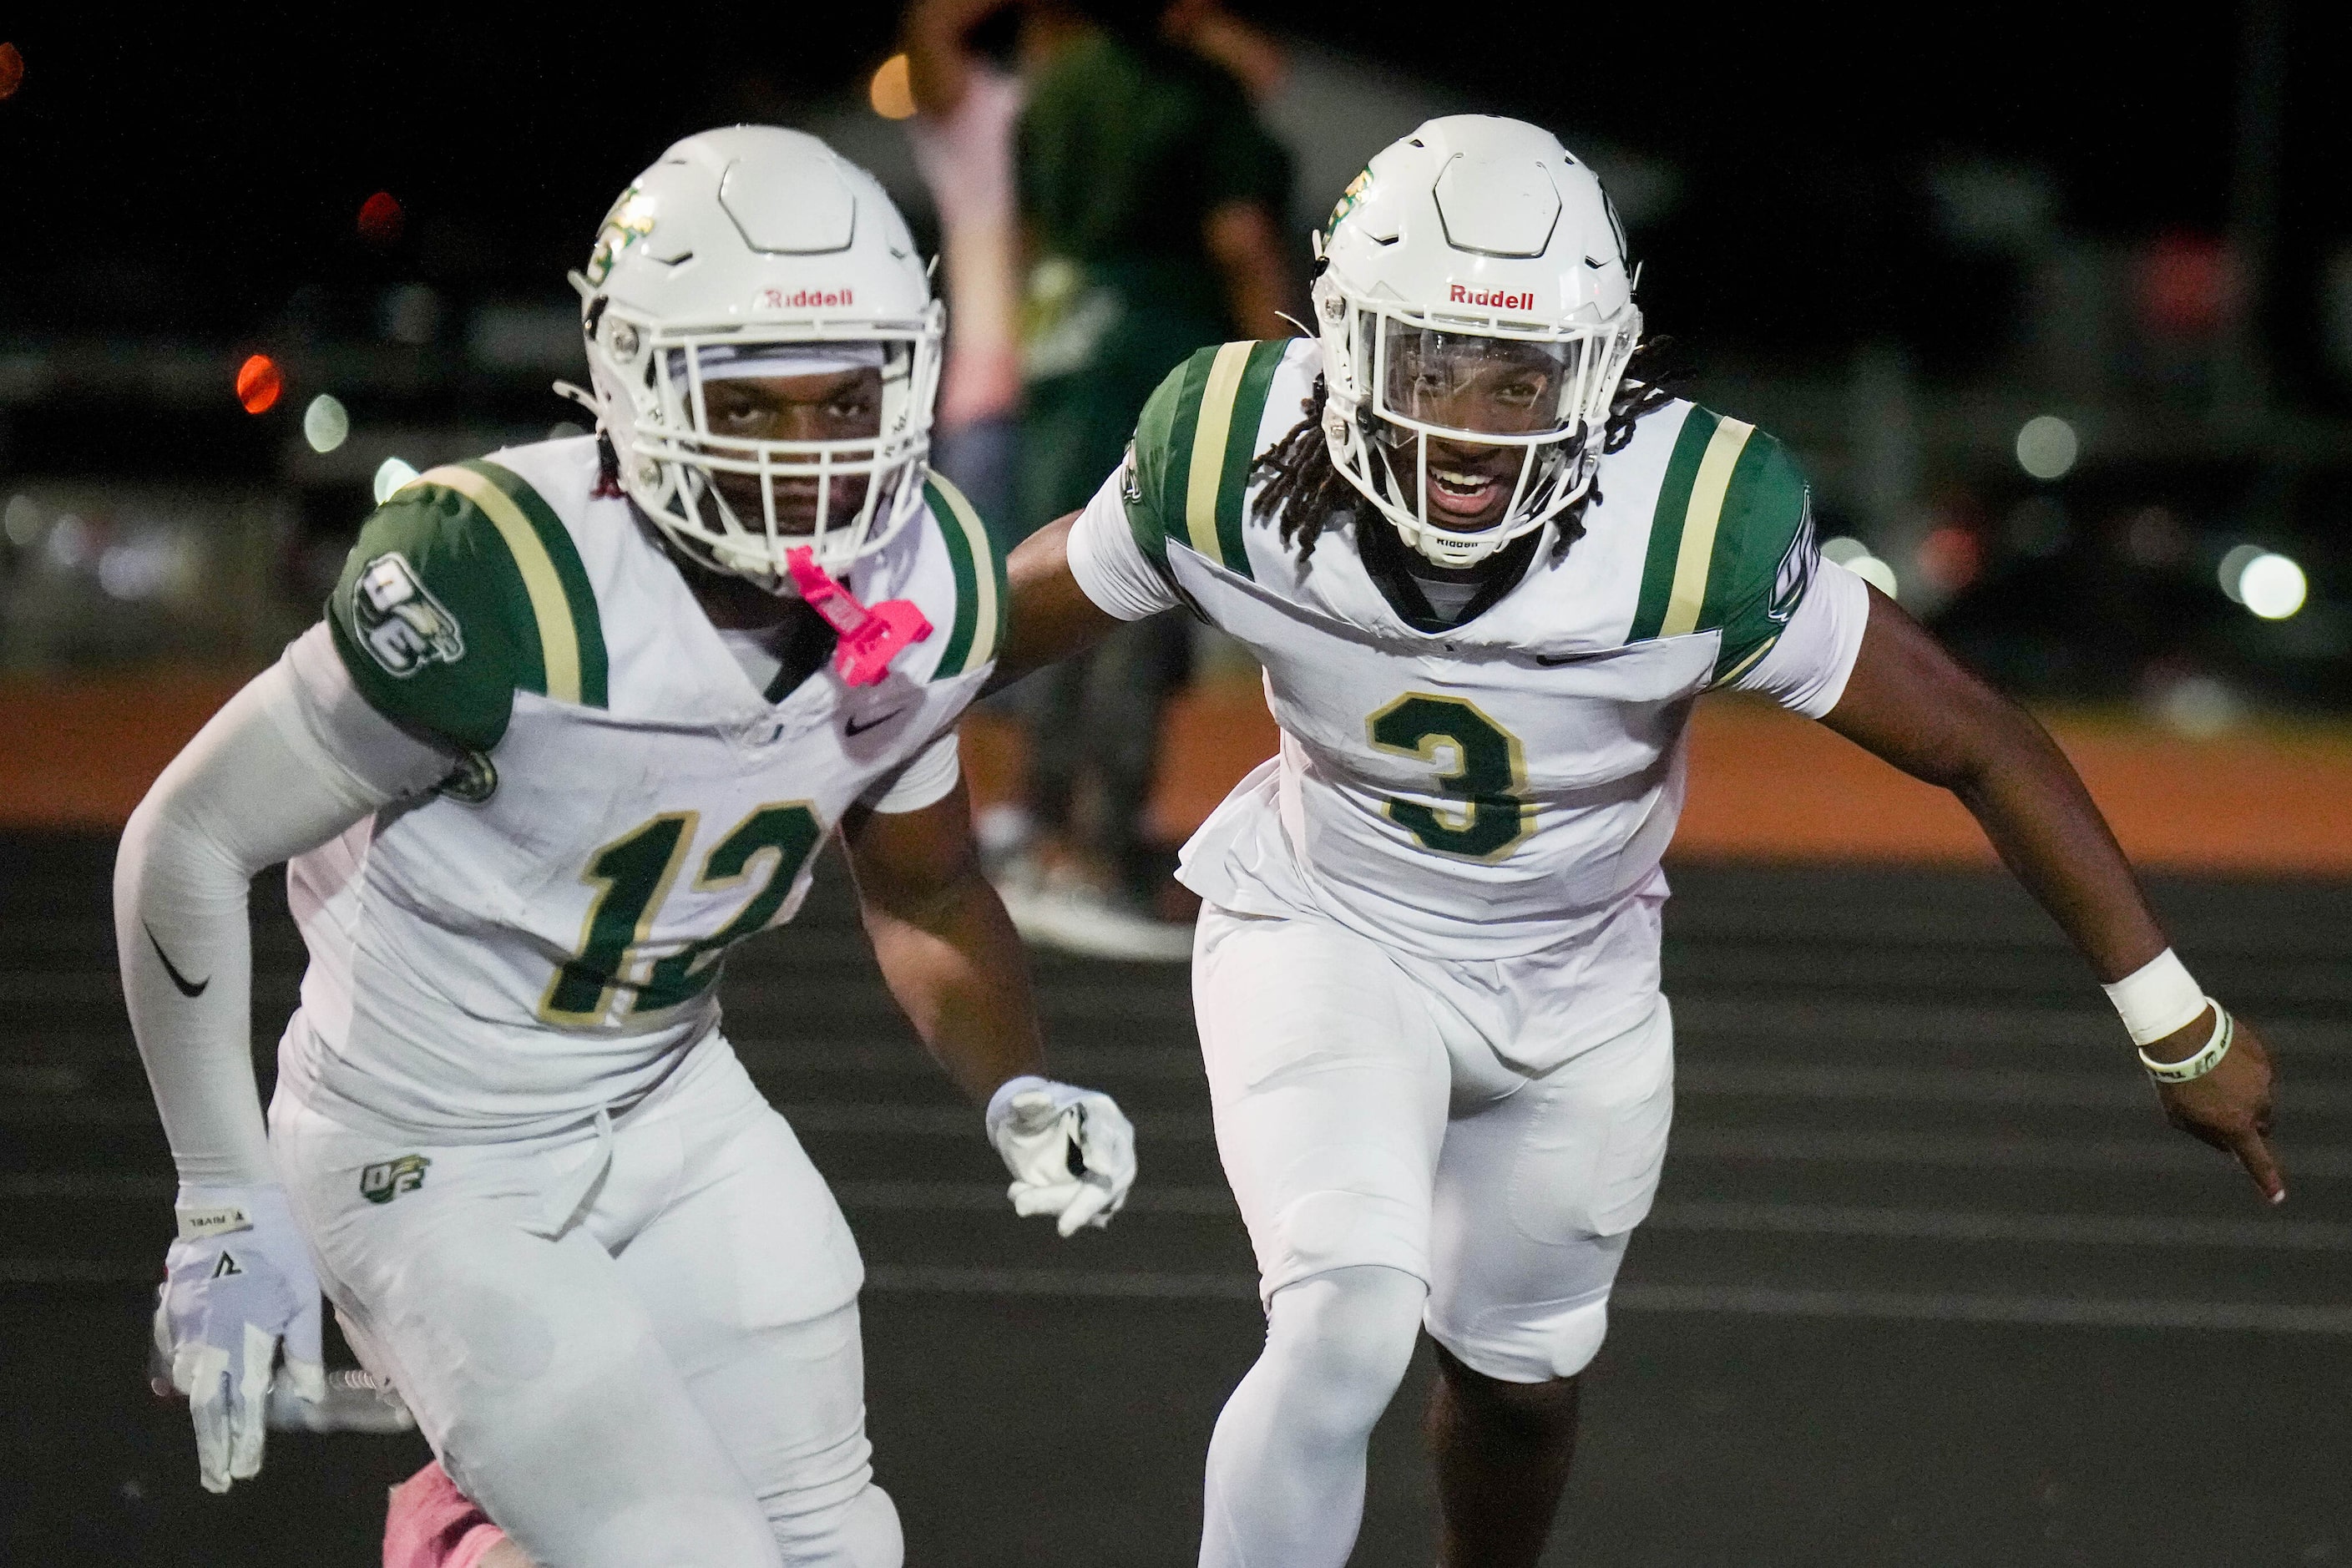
point(871, 637)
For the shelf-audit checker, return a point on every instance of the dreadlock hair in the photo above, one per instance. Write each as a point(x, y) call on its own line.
point(1304, 488)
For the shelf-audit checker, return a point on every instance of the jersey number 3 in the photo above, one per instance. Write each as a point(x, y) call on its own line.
point(1487, 776)
point(633, 874)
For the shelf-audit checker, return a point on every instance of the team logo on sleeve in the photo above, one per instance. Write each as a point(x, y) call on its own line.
point(1796, 572)
point(403, 625)
point(387, 1179)
point(1130, 479)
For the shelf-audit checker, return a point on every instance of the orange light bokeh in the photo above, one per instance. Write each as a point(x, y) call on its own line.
point(380, 218)
point(259, 383)
point(12, 70)
point(892, 91)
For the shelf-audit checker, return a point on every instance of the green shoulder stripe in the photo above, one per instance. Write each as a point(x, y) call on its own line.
point(460, 592)
point(1193, 447)
point(571, 633)
point(980, 597)
point(1730, 541)
point(1764, 555)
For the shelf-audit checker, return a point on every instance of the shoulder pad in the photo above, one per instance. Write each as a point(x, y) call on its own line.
point(981, 600)
point(465, 587)
point(1731, 541)
point(1195, 445)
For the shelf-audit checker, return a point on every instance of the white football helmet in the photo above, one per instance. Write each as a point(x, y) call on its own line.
point(754, 251)
point(1473, 255)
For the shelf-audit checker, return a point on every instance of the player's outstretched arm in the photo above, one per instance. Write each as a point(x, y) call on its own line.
point(1052, 616)
point(268, 778)
point(1910, 703)
point(951, 956)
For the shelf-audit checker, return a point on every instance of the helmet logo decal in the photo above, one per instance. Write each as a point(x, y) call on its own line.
point(802, 298)
point(630, 219)
point(1347, 199)
point(1492, 298)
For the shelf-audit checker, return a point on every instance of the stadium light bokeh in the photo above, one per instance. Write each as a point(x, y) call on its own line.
point(390, 475)
point(326, 424)
point(1855, 557)
point(892, 90)
point(259, 383)
point(380, 218)
point(2047, 446)
point(2273, 586)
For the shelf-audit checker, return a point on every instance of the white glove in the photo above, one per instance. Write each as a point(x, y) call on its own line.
point(239, 1282)
point(1071, 1150)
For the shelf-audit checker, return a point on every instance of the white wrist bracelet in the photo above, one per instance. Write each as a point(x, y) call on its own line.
point(2209, 1056)
point(2157, 999)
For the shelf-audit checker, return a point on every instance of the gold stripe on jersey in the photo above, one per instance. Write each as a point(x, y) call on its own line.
point(1699, 523)
point(1209, 439)
point(1745, 664)
point(977, 571)
point(559, 643)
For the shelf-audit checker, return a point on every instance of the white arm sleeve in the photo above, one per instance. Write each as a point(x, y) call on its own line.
point(923, 780)
point(1806, 671)
point(293, 760)
point(1110, 566)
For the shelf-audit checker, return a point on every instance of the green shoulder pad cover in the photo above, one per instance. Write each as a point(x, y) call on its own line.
point(1731, 541)
point(465, 588)
point(1189, 469)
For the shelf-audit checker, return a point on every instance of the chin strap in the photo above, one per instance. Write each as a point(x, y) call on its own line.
point(870, 637)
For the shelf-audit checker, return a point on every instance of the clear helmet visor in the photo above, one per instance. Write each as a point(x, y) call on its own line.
point(1477, 386)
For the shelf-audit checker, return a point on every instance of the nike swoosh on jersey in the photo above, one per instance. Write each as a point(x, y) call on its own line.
point(188, 988)
point(1553, 661)
point(851, 727)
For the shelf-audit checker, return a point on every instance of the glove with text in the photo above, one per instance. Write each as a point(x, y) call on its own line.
point(239, 1283)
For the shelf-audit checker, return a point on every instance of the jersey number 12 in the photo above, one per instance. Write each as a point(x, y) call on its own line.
point(633, 874)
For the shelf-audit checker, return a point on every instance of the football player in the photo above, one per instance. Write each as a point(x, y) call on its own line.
point(578, 719)
point(1489, 566)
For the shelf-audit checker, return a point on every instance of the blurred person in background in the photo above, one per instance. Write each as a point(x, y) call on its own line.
point(1149, 197)
point(961, 136)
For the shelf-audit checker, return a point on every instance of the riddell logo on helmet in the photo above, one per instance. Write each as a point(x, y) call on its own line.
point(1492, 298)
point(803, 298)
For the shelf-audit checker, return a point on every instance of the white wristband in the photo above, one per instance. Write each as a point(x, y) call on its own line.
point(2157, 998)
point(2209, 1056)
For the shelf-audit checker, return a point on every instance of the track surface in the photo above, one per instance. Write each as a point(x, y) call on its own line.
point(1929, 1282)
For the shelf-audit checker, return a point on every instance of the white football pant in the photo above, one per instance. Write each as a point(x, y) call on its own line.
point(1394, 1171)
point(1366, 1114)
point(633, 1344)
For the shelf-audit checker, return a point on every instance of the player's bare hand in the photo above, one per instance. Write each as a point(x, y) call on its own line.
point(2229, 1108)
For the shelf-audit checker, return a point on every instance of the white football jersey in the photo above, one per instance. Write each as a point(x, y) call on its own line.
point(542, 936)
point(1503, 785)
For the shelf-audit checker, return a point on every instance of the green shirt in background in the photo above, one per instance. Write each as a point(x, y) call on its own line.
point(1124, 149)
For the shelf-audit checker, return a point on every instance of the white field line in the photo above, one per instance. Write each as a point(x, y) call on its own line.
point(892, 1279)
point(1202, 1202)
point(50, 1098)
point(1803, 1146)
point(2255, 1317)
